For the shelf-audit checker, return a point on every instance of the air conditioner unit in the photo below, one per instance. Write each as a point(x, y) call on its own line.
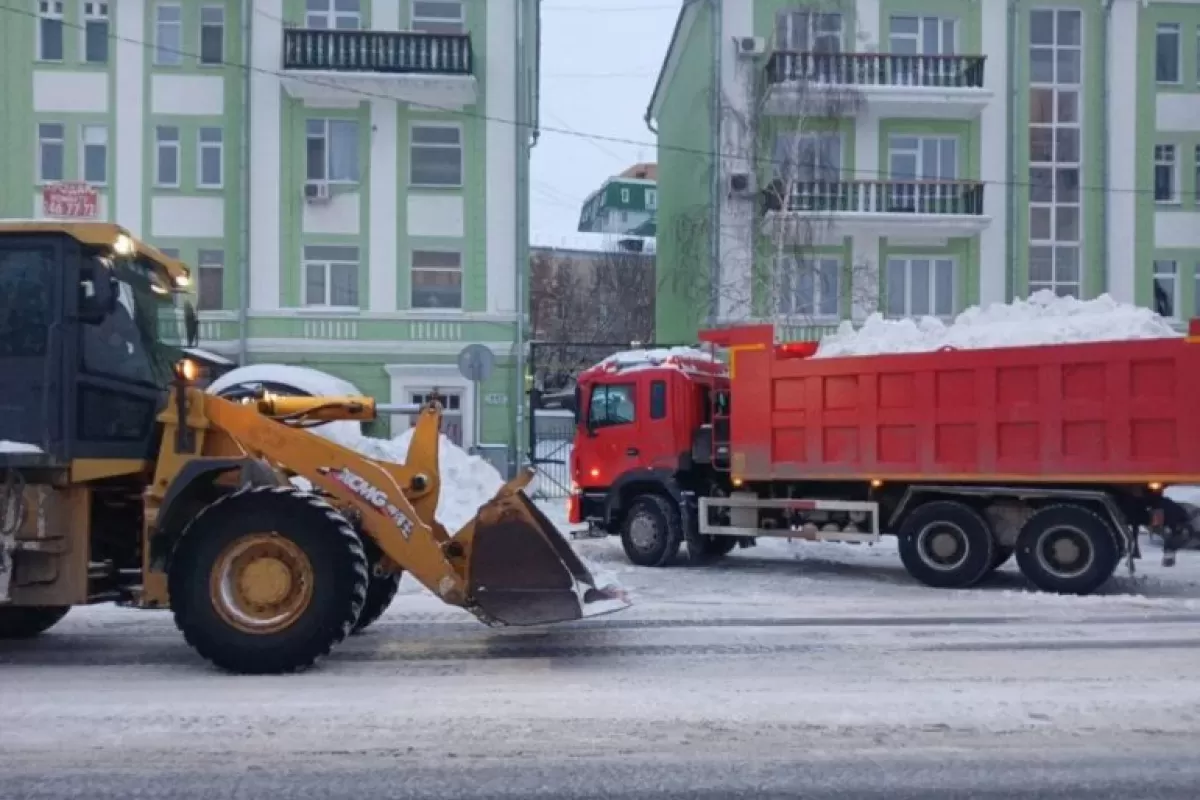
point(750, 46)
point(316, 192)
point(741, 183)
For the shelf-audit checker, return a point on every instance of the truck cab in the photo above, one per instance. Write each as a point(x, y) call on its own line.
point(644, 427)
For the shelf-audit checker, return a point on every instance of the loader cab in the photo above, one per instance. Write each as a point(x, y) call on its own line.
point(84, 364)
point(639, 416)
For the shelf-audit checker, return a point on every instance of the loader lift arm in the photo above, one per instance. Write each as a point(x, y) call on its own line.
point(507, 566)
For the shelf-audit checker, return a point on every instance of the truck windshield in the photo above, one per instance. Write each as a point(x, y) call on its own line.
point(128, 344)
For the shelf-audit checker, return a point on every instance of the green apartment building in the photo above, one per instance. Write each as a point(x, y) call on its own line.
point(349, 177)
point(921, 156)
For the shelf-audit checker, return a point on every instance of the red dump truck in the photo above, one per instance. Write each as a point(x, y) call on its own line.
point(1057, 453)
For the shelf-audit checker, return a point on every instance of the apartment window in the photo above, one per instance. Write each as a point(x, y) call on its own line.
point(212, 35)
point(1166, 174)
point(210, 158)
point(438, 16)
point(51, 151)
point(1196, 177)
point(1167, 53)
point(332, 147)
point(920, 286)
point(808, 31)
point(210, 279)
point(809, 287)
point(339, 14)
point(927, 36)
point(1166, 288)
point(94, 153)
point(436, 156)
point(651, 199)
point(50, 30)
point(331, 276)
point(807, 156)
point(912, 158)
point(168, 35)
point(1055, 151)
point(166, 156)
point(437, 279)
point(95, 33)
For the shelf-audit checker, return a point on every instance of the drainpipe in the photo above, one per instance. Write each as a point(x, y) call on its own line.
point(244, 191)
point(1105, 178)
point(714, 267)
point(520, 250)
point(1011, 147)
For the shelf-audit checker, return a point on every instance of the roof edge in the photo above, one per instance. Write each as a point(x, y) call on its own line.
point(687, 14)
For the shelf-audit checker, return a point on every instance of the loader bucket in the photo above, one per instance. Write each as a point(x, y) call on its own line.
point(523, 572)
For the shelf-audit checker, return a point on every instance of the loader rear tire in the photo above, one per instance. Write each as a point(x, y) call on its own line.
point(381, 588)
point(25, 622)
point(267, 580)
point(946, 544)
point(651, 532)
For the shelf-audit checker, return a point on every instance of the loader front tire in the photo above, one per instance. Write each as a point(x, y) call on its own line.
point(25, 622)
point(267, 580)
point(381, 588)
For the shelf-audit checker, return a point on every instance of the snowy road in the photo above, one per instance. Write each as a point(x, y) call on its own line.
point(832, 672)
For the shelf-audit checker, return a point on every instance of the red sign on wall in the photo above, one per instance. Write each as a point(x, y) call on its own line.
point(70, 199)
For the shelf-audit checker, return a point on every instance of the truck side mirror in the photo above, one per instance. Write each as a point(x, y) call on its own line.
point(98, 297)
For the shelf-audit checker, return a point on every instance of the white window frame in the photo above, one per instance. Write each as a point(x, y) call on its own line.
point(328, 264)
point(918, 154)
point(326, 135)
point(785, 301)
point(330, 17)
point(161, 144)
point(171, 57)
point(408, 379)
point(209, 9)
point(84, 130)
point(50, 10)
point(61, 142)
point(1169, 29)
point(201, 147)
point(1060, 251)
point(413, 147)
point(796, 30)
point(460, 269)
point(1167, 270)
point(907, 266)
point(438, 25)
point(206, 264)
point(918, 38)
point(95, 11)
point(652, 199)
point(1161, 159)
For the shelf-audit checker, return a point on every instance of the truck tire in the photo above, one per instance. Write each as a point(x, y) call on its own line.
point(381, 588)
point(25, 622)
point(267, 580)
point(713, 548)
point(1068, 549)
point(651, 532)
point(946, 544)
point(1001, 556)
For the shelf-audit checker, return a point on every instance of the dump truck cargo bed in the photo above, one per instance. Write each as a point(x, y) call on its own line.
point(1107, 412)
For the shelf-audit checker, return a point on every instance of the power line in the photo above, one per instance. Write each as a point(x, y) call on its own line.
point(595, 137)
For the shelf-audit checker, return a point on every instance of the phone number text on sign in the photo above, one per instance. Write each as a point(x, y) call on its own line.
point(70, 200)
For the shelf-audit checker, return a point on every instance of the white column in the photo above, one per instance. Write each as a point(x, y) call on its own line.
point(385, 15)
point(383, 202)
point(500, 67)
point(130, 103)
point(868, 33)
point(1122, 152)
point(737, 219)
point(993, 160)
point(266, 50)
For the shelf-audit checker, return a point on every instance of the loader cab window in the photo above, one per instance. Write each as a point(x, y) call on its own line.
point(127, 344)
point(611, 405)
point(26, 300)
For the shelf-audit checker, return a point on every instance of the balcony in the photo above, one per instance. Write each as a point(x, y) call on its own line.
point(883, 84)
point(335, 66)
point(810, 211)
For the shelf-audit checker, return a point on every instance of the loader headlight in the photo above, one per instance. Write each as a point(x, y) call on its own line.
point(123, 245)
point(187, 369)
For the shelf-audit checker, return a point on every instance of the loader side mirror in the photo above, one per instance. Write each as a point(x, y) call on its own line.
point(98, 296)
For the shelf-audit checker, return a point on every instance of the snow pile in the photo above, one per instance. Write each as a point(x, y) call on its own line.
point(18, 447)
point(656, 357)
point(1043, 319)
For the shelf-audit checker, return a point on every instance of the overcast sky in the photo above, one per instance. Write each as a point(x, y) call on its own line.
point(600, 59)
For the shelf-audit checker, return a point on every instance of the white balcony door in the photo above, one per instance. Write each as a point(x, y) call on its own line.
point(808, 31)
point(924, 36)
point(913, 161)
point(805, 158)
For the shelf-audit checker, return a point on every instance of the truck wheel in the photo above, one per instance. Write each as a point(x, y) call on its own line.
point(25, 622)
point(267, 580)
point(714, 547)
point(381, 588)
point(946, 544)
point(651, 532)
point(1067, 549)
point(1003, 553)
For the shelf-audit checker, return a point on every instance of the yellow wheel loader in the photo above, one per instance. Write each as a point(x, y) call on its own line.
point(121, 480)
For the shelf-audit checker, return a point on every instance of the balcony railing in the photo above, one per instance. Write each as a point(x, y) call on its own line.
point(955, 198)
point(394, 52)
point(876, 69)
